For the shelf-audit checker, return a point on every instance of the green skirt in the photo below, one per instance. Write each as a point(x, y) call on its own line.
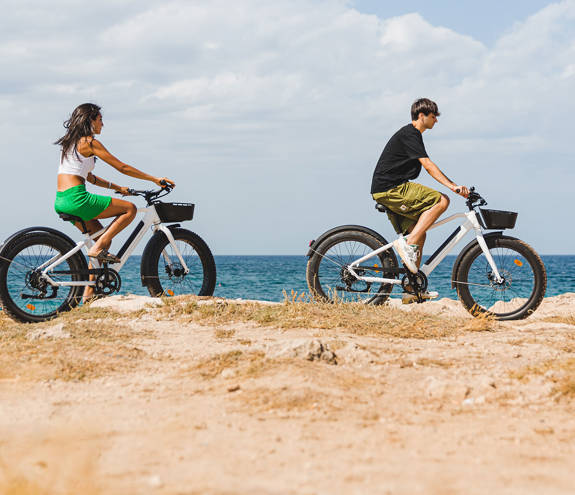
point(79, 202)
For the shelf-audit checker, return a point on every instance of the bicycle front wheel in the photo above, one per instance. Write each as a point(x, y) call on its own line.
point(329, 278)
point(523, 284)
point(25, 294)
point(163, 272)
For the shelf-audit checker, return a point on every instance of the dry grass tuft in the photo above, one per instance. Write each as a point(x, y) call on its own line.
point(433, 363)
point(355, 318)
point(223, 334)
point(561, 372)
point(525, 373)
point(565, 384)
point(568, 320)
point(79, 345)
point(566, 388)
point(481, 323)
point(243, 363)
point(312, 387)
point(263, 399)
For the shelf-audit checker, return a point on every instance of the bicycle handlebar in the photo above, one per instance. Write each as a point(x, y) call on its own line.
point(474, 199)
point(152, 195)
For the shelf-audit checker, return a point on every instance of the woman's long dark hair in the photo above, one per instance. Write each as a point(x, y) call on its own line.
point(79, 125)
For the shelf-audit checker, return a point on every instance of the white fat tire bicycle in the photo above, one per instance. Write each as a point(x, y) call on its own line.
point(43, 272)
point(494, 275)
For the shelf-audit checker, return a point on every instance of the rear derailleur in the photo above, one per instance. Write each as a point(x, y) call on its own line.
point(349, 279)
point(36, 282)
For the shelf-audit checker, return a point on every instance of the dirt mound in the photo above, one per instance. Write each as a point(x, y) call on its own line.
point(196, 395)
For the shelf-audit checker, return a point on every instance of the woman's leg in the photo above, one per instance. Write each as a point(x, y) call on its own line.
point(124, 211)
point(93, 226)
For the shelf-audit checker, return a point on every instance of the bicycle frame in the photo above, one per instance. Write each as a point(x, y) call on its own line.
point(470, 223)
point(150, 219)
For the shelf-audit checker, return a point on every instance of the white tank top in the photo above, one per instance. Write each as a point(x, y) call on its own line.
point(76, 164)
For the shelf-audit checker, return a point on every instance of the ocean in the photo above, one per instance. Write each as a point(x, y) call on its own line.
point(267, 277)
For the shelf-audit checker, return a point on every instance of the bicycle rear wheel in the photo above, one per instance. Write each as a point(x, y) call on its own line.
point(520, 292)
point(25, 294)
point(329, 279)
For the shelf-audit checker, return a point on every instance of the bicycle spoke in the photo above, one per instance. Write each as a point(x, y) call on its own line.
point(29, 295)
point(171, 272)
point(506, 297)
point(337, 282)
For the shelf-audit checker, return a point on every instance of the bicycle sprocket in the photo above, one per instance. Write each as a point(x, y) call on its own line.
point(108, 282)
point(414, 283)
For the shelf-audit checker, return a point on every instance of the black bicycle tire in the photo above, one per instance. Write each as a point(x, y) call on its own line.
point(27, 240)
point(312, 268)
point(152, 255)
point(537, 266)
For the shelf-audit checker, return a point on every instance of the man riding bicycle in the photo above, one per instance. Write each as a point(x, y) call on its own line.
point(412, 208)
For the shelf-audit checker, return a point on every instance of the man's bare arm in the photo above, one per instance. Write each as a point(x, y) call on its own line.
point(439, 176)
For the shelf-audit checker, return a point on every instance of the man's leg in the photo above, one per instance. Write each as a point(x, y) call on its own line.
point(420, 248)
point(417, 208)
point(426, 220)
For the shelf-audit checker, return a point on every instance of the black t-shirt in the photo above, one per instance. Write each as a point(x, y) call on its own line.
point(399, 161)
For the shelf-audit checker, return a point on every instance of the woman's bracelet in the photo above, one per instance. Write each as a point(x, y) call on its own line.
point(110, 185)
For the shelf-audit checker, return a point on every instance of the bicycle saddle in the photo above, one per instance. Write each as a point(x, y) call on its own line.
point(73, 218)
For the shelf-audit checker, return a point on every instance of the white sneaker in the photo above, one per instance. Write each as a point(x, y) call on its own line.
point(407, 254)
point(408, 298)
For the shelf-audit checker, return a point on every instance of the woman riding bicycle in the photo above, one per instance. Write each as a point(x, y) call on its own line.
point(79, 152)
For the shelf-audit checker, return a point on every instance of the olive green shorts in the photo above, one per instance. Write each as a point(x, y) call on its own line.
point(405, 204)
point(79, 202)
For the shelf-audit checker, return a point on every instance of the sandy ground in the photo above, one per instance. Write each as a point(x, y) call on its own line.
point(240, 408)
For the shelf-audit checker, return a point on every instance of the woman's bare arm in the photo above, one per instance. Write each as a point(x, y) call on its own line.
point(95, 147)
point(98, 181)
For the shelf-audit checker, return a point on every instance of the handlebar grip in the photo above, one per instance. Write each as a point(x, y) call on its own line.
point(130, 192)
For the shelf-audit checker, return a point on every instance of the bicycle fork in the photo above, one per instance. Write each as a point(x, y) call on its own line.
point(168, 233)
point(487, 253)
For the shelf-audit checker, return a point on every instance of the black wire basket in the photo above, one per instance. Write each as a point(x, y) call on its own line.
point(175, 212)
point(497, 219)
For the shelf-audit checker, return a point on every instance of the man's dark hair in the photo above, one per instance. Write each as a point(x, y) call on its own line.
point(424, 106)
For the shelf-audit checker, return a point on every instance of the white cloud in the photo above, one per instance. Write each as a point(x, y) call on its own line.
point(313, 87)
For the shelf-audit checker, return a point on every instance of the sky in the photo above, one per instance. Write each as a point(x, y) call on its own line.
point(271, 116)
